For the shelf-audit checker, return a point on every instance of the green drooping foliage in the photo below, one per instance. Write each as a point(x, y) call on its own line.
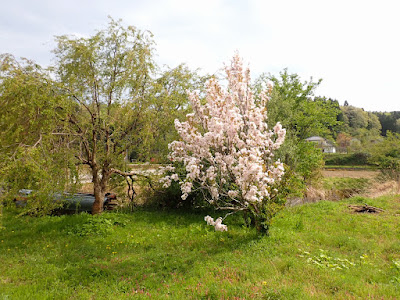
point(169, 100)
point(30, 105)
point(31, 114)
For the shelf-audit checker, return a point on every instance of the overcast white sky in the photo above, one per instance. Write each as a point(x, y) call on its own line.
point(353, 45)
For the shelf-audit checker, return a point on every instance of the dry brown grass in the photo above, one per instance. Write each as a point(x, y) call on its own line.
point(379, 186)
point(378, 189)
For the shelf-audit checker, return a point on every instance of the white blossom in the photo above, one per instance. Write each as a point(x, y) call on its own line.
point(209, 220)
point(175, 177)
point(217, 223)
point(219, 226)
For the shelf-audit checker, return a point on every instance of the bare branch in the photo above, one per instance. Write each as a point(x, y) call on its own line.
point(66, 133)
point(130, 174)
point(38, 142)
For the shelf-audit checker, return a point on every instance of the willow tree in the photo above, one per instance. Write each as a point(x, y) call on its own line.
point(27, 104)
point(170, 101)
point(31, 154)
point(106, 77)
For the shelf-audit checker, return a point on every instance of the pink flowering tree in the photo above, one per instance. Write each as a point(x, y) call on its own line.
point(227, 150)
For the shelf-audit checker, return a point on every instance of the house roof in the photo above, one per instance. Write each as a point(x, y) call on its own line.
point(315, 139)
point(320, 140)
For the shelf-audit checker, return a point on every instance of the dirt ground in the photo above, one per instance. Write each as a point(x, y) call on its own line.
point(350, 173)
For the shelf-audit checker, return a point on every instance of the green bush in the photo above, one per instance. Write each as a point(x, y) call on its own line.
point(352, 159)
point(160, 197)
point(303, 158)
point(45, 175)
point(386, 155)
point(93, 225)
point(389, 167)
point(310, 162)
point(167, 197)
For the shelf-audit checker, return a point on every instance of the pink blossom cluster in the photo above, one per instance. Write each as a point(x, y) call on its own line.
point(226, 145)
point(217, 223)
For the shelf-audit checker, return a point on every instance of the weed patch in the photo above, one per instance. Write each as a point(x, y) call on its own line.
point(323, 260)
point(96, 225)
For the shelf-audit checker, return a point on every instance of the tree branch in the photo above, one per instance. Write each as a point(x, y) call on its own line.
point(130, 174)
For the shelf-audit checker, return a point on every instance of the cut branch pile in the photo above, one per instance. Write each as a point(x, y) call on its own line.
point(365, 209)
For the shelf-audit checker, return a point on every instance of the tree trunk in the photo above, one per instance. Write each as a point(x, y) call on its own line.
point(99, 193)
point(98, 199)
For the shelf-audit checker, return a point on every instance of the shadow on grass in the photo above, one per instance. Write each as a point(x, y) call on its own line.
point(150, 248)
point(153, 262)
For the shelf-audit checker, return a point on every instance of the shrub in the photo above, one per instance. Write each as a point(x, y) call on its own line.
point(352, 159)
point(227, 150)
point(386, 155)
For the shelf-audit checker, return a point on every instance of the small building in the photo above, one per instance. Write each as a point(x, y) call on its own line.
point(325, 145)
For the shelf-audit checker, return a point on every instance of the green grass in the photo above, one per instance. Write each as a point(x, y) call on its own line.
point(314, 251)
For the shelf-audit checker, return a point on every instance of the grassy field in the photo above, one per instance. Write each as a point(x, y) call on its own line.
point(314, 251)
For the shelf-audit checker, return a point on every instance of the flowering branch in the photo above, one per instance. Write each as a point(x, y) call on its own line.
point(226, 146)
